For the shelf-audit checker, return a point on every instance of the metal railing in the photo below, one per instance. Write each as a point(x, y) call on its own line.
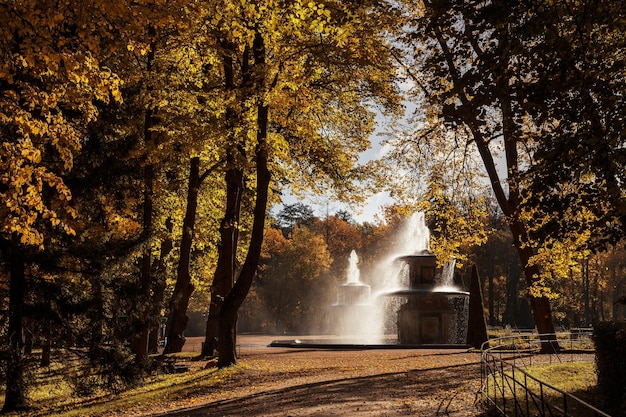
point(509, 390)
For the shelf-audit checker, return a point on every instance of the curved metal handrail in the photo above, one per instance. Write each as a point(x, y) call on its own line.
point(494, 354)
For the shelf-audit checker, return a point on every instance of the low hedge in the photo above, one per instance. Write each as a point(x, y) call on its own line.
point(610, 342)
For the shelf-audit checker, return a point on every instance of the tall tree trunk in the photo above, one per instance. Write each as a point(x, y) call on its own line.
point(142, 307)
point(234, 299)
point(15, 394)
point(542, 312)
point(586, 291)
point(225, 269)
point(236, 296)
point(97, 315)
point(492, 316)
point(158, 291)
point(46, 345)
point(140, 344)
point(177, 320)
point(223, 277)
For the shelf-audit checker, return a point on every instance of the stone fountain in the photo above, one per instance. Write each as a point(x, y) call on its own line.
point(415, 296)
point(430, 312)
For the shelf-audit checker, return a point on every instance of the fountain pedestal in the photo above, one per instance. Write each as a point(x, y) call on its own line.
point(429, 315)
point(433, 318)
point(352, 310)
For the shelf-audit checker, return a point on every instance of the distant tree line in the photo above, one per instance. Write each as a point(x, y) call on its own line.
point(305, 259)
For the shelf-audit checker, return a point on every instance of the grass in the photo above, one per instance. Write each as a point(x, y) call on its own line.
point(576, 378)
point(52, 393)
point(569, 377)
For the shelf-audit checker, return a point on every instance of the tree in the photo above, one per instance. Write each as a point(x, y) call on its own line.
point(578, 53)
point(292, 60)
point(499, 265)
point(290, 284)
point(469, 67)
point(341, 237)
point(254, 311)
point(291, 215)
point(177, 319)
point(50, 84)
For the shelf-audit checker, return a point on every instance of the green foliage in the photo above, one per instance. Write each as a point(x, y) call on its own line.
point(51, 79)
point(578, 54)
point(297, 214)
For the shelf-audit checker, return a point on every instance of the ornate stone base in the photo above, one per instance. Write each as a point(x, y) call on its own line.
point(434, 318)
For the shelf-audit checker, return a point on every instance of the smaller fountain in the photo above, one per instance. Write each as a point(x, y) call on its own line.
point(353, 303)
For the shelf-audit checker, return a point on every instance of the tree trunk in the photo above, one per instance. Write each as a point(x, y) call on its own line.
point(540, 305)
point(177, 320)
point(15, 395)
point(586, 291)
point(234, 299)
point(142, 307)
point(140, 344)
point(492, 316)
point(236, 296)
point(46, 345)
point(477, 328)
point(225, 270)
point(509, 204)
point(229, 233)
point(97, 315)
point(158, 292)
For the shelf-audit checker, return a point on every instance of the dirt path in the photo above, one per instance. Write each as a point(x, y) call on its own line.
point(312, 382)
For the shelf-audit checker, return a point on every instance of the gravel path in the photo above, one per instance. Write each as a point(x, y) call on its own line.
point(316, 382)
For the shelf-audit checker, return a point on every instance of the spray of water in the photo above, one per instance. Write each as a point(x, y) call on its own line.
point(392, 275)
point(413, 238)
point(446, 281)
point(416, 236)
point(353, 269)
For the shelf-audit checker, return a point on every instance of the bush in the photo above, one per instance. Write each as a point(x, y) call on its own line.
point(112, 369)
point(610, 341)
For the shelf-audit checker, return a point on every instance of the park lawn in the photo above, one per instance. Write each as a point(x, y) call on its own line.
point(52, 392)
point(570, 377)
point(576, 378)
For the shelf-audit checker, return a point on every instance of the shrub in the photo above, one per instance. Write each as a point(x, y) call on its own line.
point(610, 342)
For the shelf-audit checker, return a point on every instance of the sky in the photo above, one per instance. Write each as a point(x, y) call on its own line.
point(372, 206)
point(322, 206)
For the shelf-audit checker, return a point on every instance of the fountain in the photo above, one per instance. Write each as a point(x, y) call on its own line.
point(433, 311)
point(353, 306)
point(414, 297)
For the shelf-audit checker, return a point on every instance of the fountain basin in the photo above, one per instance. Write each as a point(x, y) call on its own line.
point(431, 317)
point(355, 344)
point(423, 291)
point(353, 293)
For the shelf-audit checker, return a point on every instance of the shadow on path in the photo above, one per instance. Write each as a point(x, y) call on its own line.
point(442, 391)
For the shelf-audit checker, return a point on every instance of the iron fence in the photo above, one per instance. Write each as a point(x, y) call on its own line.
point(509, 390)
